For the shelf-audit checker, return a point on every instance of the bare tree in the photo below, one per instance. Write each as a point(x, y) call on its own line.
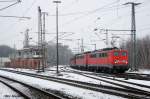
point(143, 51)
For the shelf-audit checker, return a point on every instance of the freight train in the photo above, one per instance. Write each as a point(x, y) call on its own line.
point(111, 60)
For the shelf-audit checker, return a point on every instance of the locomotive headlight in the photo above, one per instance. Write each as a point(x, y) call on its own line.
point(116, 61)
point(124, 61)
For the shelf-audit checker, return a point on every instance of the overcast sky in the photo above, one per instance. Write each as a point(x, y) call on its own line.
point(79, 17)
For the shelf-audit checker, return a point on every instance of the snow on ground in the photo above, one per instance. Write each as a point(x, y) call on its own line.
point(141, 71)
point(143, 82)
point(130, 85)
point(75, 91)
point(67, 75)
point(7, 93)
point(72, 91)
point(79, 77)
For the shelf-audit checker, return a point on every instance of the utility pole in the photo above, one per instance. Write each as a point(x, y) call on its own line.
point(133, 36)
point(107, 42)
point(82, 47)
point(78, 45)
point(94, 46)
point(106, 32)
point(44, 51)
point(26, 40)
point(39, 36)
point(57, 53)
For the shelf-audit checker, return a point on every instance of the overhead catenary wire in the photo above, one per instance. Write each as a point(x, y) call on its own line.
point(75, 19)
point(7, 1)
point(93, 11)
point(70, 4)
point(10, 5)
point(102, 9)
point(146, 28)
point(15, 17)
point(87, 14)
point(125, 15)
point(29, 8)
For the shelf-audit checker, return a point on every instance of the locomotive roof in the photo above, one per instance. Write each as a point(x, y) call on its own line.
point(83, 53)
point(104, 49)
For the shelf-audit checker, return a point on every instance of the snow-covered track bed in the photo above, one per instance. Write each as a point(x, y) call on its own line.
point(134, 76)
point(27, 91)
point(6, 82)
point(124, 79)
point(127, 93)
point(140, 88)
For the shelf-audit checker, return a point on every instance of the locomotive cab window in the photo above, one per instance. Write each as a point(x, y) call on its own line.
point(93, 55)
point(105, 54)
point(124, 54)
point(116, 54)
point(100, 55)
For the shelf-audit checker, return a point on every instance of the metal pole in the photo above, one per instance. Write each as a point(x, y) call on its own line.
point(78, 46)
point(43, 43)
point(40, 38)
point(133, 36)
point(57, 36)
point(82, 47)
point(57, 54)
point(26, 40)
point(95, 46)
point(44, 51)
point(107, 38)
point(39, 30)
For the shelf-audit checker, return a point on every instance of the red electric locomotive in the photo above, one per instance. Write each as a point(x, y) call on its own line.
point(104, 60)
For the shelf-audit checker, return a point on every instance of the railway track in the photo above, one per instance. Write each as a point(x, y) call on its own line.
point(27, 91)
point(122, 92)
point(117, 82)
point(135, 76)
point(20, 94)
point(108, 76)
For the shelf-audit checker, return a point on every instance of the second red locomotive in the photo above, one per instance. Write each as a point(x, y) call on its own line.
point(103, 60)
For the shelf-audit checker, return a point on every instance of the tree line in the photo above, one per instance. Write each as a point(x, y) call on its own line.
point(142, 51)
point(5, 50)
point(64, 53)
